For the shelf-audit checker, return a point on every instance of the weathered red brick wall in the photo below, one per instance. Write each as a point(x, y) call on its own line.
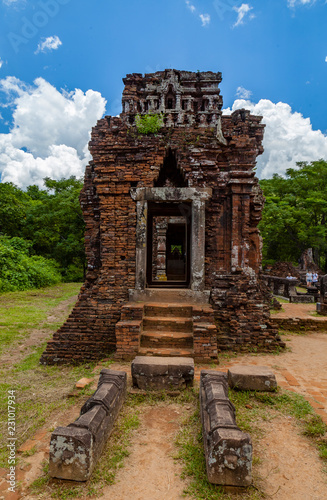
point(123, 159)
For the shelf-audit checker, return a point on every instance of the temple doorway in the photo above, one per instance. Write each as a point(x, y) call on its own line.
point(168, 245)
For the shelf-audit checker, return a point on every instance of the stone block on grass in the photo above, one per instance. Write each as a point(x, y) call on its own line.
point(228, 450)
point(252, 378)
point(162, 373)
point(75, 450)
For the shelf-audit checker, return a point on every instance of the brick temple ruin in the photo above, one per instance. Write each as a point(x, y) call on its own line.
point(172, 244)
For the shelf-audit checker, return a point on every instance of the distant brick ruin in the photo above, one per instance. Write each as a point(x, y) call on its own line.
point(171, 238)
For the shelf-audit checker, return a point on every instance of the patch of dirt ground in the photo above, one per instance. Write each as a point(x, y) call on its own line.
point(302, 368)
point(290, 467)
point(150, 472)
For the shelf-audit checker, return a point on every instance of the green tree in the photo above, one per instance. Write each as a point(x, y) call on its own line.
point(55, 225)
point(49, 219)
point(295, 213)
point(13, 206)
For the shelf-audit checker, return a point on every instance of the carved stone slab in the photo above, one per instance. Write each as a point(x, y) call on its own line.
point(252, 378)
point(74, 450)
point(155, 373)
point(228, 450)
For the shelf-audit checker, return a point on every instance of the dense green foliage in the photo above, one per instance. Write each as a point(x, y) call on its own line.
point(149, 124)
point(47, 232)
point(13, 205)
point(21, 271)
point(295, 214)
point(56, 226)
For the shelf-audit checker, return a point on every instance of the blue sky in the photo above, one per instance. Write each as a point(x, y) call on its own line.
point(269, 52)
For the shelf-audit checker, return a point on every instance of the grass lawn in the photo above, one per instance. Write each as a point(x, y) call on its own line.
point(39, 389)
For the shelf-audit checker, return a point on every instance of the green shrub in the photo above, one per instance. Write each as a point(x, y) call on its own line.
point(73, 273)
point(21, 271)
point(149, 124)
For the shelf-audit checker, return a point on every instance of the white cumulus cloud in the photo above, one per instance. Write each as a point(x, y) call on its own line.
point(241, 13)
point(1, 62)
point(288, 137)
point(50, 132)
point(47, 44)
point(326, 59)
point(243, 93)
point(205, 19)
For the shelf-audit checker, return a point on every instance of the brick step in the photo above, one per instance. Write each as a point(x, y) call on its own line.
point(203, 314)
point(170, 296)
point(167, 339)
point(131, 311)
point(164, 324)
point(176, 310)
point(204, 326)
point(153, 351)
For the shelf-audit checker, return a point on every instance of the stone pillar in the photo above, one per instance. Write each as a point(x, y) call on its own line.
point(162, 108)
point(245, 231)
point(161, 228)
point(278, 287)
point(240, 223)
point(141, 235)
point(228, 450)
point(197, 245)
point(75, 450)
point(178, 106)
point(235, 242)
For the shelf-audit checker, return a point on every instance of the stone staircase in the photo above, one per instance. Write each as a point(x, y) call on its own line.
point(167, 330)
point(174, 329)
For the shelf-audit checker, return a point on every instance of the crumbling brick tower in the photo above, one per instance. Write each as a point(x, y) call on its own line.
point(171, 238)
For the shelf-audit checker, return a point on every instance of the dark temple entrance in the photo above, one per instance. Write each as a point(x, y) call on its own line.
point(168, 245)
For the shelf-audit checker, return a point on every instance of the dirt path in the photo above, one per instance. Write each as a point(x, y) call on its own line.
point(150, 472)
point(290, 468)
point(302, 368)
